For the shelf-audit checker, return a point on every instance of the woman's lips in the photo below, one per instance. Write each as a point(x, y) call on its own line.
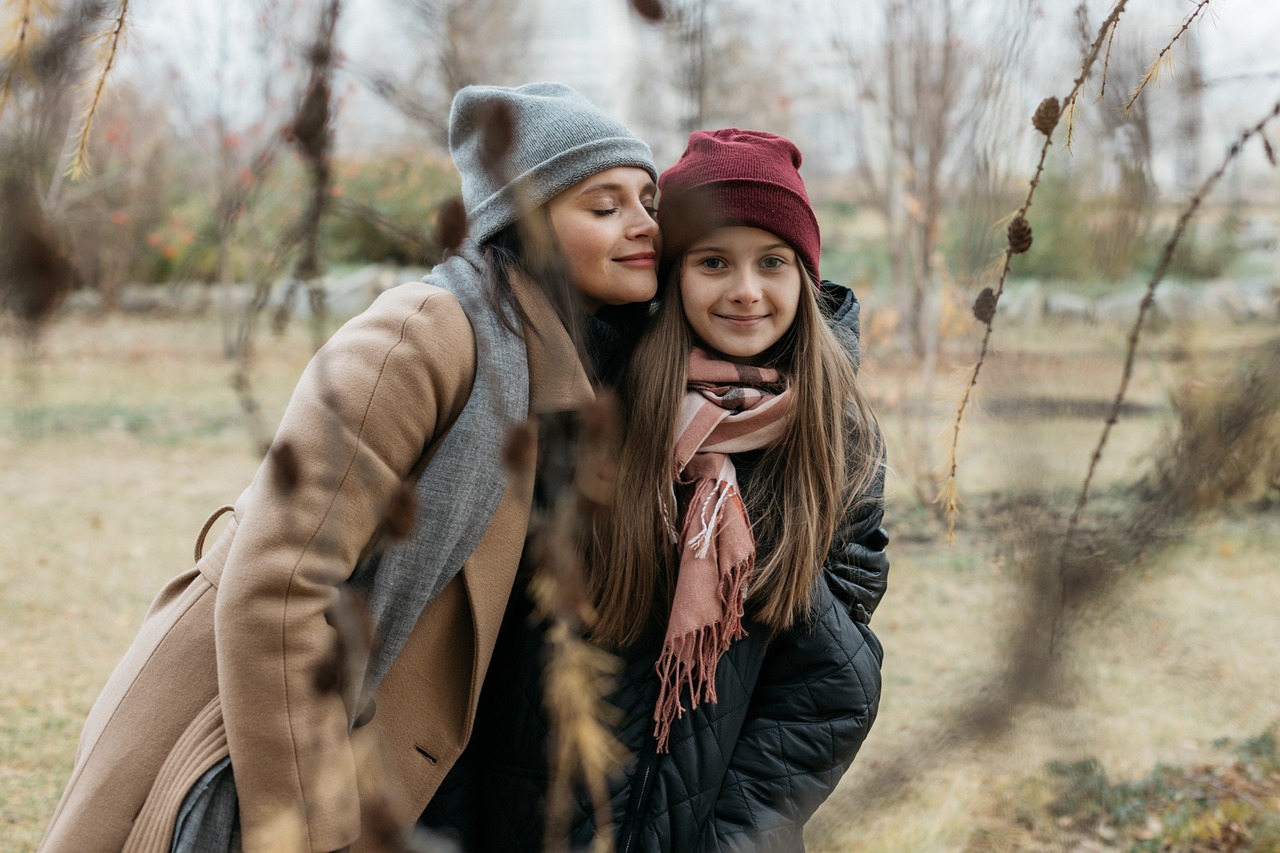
point(640, 260)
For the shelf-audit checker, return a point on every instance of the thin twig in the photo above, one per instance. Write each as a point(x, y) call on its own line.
point(1154, 70)
point(79, 166)
point(1106, 64)
point(1240, 795)
point(313, 133)
point(1166, 258)
point(949, 491)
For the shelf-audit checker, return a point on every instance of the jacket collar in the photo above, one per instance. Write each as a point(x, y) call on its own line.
point(557, 380)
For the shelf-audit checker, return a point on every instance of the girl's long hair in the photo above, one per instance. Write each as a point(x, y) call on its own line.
point(803, 485)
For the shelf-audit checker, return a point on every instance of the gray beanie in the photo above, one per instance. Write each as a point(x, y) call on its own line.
point(558, 138)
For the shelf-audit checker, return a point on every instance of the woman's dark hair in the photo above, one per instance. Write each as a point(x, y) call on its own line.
point(527, 247)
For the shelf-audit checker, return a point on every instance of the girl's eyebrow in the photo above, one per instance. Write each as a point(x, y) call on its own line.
point(772, 247)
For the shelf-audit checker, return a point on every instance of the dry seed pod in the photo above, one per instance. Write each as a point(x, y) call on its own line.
point(984, 307)
point(498, 129)
point(35, 274)
point(402, 511)
point(650, 10)
point(1047, 115)
point(451, 224)
point(1019, 235)
point(520, 449)
point(310, 125)
point(284, 465)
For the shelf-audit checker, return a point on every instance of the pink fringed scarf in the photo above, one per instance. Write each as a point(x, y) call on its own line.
point(728, 408)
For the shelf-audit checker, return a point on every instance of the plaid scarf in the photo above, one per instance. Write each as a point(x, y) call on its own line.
point(728, 408)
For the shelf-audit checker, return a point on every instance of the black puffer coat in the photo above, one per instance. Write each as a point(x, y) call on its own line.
point(743, 774)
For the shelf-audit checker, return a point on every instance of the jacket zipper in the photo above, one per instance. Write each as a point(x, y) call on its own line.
point(649, 756)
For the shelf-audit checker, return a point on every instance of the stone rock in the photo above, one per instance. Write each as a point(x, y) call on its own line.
point(1022, 302)
point(1260, 298)
point(144, 299)
point(1120, 309)
point(1175, 303)
point(84, 301)
point(1068, 307)
point(190, 297)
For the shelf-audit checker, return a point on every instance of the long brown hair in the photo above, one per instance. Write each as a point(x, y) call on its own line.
point(822, 466)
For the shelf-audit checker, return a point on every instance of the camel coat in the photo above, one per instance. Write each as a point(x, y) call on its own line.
point(225, 661)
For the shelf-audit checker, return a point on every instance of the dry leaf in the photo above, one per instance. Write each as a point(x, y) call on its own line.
point(451, 224)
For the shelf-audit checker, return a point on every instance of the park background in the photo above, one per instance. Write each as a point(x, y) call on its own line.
point(1084, 434)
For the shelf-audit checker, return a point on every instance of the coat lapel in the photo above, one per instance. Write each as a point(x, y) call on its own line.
point(557, 382)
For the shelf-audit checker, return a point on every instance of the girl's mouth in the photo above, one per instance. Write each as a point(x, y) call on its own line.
point(743, 320)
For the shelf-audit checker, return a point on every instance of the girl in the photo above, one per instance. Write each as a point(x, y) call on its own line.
point(407, 405)
point(743, 554)
point(749, 441)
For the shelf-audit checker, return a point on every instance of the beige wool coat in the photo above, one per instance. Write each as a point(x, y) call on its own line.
point(226, 657)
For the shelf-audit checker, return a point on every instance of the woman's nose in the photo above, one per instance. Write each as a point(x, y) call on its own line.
point(642, 224)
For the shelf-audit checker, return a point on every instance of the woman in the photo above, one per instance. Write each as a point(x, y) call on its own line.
point(408, 404)
point(749, 676)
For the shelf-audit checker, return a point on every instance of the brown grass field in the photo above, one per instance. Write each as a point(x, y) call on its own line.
point(122, 434)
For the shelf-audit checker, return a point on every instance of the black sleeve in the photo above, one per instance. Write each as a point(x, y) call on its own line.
point(857, 566)
point(815, 701)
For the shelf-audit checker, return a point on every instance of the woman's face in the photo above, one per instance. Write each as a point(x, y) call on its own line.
point(605, 229)
point(740, 289)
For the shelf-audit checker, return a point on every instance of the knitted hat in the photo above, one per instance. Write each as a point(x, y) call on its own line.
point(737, 177)
point(553, 138)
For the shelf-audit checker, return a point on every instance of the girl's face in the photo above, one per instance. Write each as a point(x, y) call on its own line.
point(740, 289)
point(605, 228)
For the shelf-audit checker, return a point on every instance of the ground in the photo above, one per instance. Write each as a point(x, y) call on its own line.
point(119, 436)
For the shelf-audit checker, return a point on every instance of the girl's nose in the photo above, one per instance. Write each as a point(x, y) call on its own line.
point(744, 289)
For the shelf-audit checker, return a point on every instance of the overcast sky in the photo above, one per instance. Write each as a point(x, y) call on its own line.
point(1237, 42)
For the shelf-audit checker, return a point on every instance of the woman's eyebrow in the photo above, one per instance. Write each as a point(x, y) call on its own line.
point(610, 186)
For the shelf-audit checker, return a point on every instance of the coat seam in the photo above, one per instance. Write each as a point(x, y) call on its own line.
point(359, 440)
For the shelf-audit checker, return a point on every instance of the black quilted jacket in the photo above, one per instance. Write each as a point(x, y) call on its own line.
point(742, 774)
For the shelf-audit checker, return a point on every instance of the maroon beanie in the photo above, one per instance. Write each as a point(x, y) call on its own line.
point(736, 177)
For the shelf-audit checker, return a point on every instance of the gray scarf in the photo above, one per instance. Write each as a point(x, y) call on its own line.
point(460, 488)
point(457, 495)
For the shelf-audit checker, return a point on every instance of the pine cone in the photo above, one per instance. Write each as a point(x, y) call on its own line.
point(984, 307)
point(650, 10)
point(402, 511)
point(284, 464)
point(1047, 114)
point(310, 125)
point(1019, 235)
point(497, 132)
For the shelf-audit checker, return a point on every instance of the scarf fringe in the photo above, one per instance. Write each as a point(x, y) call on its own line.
point(691, 659)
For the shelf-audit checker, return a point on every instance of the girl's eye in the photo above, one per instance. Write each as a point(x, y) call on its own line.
point(651, 210)
point(773, 262)
point(712, 263)
point(607, 212)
